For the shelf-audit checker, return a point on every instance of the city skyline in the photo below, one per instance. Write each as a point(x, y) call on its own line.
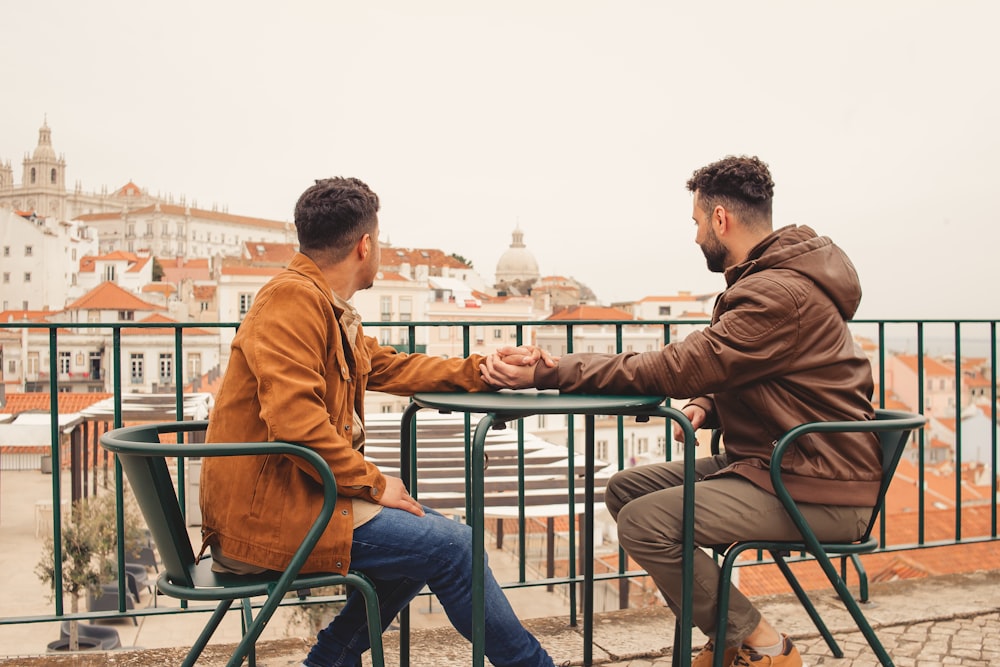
point(577, 122)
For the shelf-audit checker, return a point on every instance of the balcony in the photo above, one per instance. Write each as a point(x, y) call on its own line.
point(938, 572)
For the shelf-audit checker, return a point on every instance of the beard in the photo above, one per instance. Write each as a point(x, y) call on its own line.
point(715, 254)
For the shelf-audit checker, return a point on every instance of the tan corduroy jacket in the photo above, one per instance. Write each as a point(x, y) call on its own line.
point(292, 377)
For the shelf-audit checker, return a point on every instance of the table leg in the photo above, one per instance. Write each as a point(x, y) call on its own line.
point(407, 473)
point(477, 516)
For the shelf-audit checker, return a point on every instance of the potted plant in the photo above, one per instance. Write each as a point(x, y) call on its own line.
point(89, 547)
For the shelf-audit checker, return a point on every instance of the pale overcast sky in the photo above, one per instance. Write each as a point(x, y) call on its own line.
point(578, 121)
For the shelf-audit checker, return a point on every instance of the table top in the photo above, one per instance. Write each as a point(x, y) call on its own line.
point(507, 403)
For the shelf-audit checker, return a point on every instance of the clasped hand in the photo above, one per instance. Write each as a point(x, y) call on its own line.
point(514, 367)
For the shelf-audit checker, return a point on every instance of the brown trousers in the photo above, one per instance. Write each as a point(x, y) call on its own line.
point(647, 500)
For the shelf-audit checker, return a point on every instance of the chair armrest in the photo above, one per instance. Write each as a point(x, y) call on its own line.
point(139, 440)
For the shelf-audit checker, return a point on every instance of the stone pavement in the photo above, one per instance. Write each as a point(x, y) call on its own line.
point(940, 620)
point(936, 621)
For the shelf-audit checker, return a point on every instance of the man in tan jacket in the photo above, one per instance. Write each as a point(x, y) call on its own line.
point(298, 371)
point(777, 354)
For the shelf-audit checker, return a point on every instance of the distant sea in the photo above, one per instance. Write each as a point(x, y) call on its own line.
point(938, 339)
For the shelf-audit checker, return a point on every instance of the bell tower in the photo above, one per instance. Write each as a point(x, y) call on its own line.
point(43, 183)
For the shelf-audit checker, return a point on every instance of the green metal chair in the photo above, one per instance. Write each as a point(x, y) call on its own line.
point(893, 429)
point(143, 460)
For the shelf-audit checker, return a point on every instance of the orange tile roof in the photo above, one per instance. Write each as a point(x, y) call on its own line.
point(932, 367)
point(259, 252)
point(25, 315)
point(157, 317)
point(392, 256)
point(240, 270)
point(682, 296)
point(162, 288)
point(171, 209)
point(109, 296)
point(68, 402)
point(181, 262)
point(204, 292)
point(585, 312)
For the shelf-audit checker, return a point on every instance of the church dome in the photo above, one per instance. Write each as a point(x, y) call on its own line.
point(44, 150)
point(517, 264)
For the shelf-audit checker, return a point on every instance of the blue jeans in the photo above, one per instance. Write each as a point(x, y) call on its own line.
point(401, 552)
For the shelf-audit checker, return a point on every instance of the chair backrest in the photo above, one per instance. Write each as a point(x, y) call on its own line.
point(143, 460)
point(893, 443)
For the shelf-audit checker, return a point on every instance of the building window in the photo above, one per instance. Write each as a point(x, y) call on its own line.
point(385, 308)
point(33, 363)
point(27, 276)
point(664, 310)
point(246, 300)
point(204, 306)
point(64, 362)
point(126, 315)
point(497, 333)
point(480, 334)
point(11, 366)
point(137, 365)
point(601, 450)
point(405, 309)
point(28, 250)
point(385, 336)
point(194, 366)
point(52, 177)
point(166, 367)
point(32, 175)
point(109, 273)
point(6, 277)
point(6, 251)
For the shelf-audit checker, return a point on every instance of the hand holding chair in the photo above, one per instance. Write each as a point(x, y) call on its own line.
point(143, 460)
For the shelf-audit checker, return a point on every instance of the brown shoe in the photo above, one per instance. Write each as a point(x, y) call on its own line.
point(707, 653)
point(789, 657)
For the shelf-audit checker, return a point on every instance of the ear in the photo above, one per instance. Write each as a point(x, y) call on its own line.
point(364, 246)
point(721, 220)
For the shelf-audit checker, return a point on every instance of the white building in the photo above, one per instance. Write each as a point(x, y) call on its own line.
point(597, 336)
point(39, 259)
point(696, 308)
point(84, 354)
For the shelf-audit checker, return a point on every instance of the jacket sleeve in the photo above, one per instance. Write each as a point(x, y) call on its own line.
point(756, 337)
point(405, 374)
point(286, 352)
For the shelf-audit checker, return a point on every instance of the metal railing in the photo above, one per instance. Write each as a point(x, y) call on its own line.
point(899, 349)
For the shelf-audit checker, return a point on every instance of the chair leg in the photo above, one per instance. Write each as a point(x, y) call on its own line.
point(862, 577)
point(206, 634)
point(362, 584)
point(807, 604)
point(854, 609)
point(246, 620)
point(675, 656)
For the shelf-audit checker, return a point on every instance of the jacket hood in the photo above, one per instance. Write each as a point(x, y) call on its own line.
point(800, 249)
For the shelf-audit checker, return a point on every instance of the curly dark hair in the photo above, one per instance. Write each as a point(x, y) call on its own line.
point(332, 215)
point(742, 184)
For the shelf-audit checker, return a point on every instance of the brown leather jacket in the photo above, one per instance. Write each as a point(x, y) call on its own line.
point(292, 377)
point(778, 353)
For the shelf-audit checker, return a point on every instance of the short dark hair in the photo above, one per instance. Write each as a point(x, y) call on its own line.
point(332, 216)
point(742, 184)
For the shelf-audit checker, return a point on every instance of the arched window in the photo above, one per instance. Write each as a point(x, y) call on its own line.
point(32, 175)
point(53, 176)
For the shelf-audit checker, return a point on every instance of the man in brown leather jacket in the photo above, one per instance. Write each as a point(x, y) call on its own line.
point(777, 353)
point(298, 372)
